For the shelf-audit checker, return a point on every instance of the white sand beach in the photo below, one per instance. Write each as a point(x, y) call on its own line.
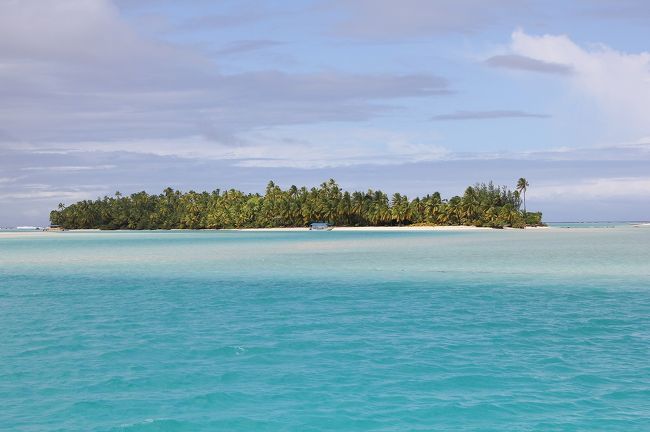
point(23, 234)
point(390, 228)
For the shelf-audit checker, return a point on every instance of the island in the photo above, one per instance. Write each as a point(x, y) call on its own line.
point(481, 205)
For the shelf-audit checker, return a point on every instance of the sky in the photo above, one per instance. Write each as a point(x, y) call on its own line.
point(410, 96)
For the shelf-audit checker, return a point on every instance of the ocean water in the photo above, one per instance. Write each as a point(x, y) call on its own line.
point(536, 330)
point(611, 224)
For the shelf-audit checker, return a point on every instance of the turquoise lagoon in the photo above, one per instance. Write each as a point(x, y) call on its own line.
point(536, 330)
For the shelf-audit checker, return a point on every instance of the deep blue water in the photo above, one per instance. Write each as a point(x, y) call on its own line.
point(207, 331)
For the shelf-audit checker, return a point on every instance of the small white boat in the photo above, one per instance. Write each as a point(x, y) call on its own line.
point(320, 226)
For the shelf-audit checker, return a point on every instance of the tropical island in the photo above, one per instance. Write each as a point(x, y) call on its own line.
point(482, 205)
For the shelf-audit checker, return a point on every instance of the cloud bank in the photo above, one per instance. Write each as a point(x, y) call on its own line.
point(86, 75)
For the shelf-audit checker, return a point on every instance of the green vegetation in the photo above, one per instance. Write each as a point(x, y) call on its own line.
point(481, 205)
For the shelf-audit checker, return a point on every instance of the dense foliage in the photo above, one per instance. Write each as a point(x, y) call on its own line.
point(481, 205)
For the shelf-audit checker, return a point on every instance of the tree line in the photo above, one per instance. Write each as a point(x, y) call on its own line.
point(483, 204)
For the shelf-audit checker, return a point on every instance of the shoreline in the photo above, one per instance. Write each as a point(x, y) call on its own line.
point(38, 233)
point(388, 228)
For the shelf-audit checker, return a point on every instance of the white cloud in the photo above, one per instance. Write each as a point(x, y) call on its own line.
point(617, 82)
point(594, 189)
point(307, 146)
point(68, 196)
point(43, 192)
point(339, 145)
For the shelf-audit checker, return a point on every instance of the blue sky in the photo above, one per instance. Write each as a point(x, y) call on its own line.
point(412, 96)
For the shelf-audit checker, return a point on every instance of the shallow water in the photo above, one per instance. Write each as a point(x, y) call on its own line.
point(303, 331)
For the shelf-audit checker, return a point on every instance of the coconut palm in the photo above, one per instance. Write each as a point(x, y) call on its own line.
point(399, 208)
point(522, 186)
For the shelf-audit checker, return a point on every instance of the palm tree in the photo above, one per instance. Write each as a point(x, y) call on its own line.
point(399, 208)
point(522, 185)
point(358, 206)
